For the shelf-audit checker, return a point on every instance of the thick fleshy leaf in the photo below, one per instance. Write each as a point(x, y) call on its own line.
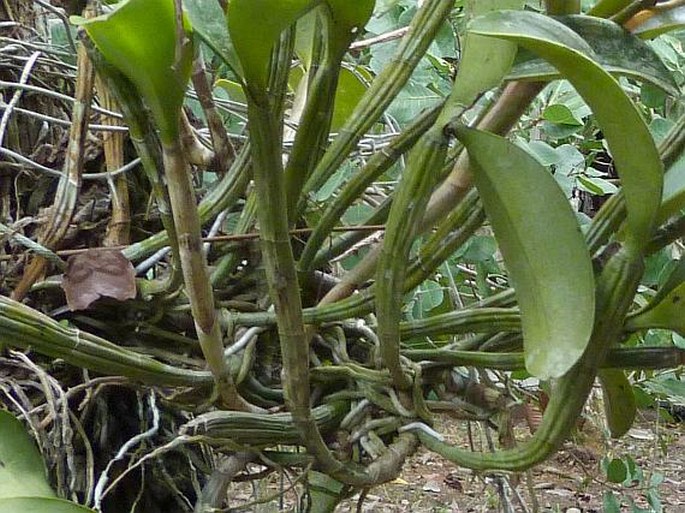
point(209, 23)
point(606, 8)
point(347, 20)
point(673, 198)
point(631, 144)
point(484, 62)
point(618, 52)
point(40, 505)
point(543, 248)
point(667, 308)
point(255, 26)
point(139, 39)
point(22, 472)
point(619, 401)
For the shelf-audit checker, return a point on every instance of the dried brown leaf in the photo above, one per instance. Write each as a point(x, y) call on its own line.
point(97, 273)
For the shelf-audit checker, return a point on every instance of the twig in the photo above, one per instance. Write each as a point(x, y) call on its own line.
point(382, 38)
point(17, 94)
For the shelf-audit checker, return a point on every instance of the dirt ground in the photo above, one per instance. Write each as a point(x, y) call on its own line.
point(572, 479)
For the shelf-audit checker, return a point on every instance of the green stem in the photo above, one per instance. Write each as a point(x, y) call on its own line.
point(562, 6)
point(385, 87)
point(406, 212)
point(315, 124)
point(352, 190)
point(617, 358)
point(194, 267)
point(284, 287)
point(26, 328)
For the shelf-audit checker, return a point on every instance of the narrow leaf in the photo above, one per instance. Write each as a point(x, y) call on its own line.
point(617, 51)
point(22, 472)
point(139, 39)
point(543, 248)
point(619, 402)
point(631, 144)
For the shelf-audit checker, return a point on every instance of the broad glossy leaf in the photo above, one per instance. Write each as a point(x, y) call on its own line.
point(543, 248)
point(209, 23)
point(139, 39)
point(616, 50)
point(667, 309)
point(619, 401)
point(22, 472)
point(673, 199)
point(631, 144)
point(40, 505)
point(255, 26)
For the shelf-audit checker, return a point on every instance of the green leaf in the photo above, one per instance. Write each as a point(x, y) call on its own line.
point(139, 39)
point(234, 90)
point(431, 295)
point(347, 20)
point(617, 471)
point(350, 90)
point(209, 23)
point(596, 185)
point(635, 154)
point(543, 248)
point(667, 309)
point(617, 51)
point(560, 114)
point(255, 26)
point(307, 27)
point(619, 402)
point(473, 76)
point(606, 8)
point(22, 472)
point(40, 505)
point(609, 503)
point(673, 198)
point(671, 387)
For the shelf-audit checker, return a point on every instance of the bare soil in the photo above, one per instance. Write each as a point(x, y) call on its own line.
point(572, 479)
